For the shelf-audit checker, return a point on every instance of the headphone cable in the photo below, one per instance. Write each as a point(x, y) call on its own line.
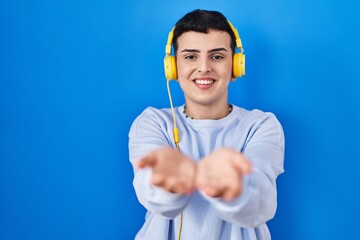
point(176, 140)
point(176, 130)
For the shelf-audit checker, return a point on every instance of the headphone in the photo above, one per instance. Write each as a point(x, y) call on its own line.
point(238, 58)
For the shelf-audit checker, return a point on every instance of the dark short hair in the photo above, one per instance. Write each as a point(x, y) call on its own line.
point(202, 21)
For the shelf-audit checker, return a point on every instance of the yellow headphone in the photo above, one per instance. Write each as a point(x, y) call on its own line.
point(238, 58)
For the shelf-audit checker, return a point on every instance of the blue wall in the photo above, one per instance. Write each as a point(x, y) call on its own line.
point(74, 75)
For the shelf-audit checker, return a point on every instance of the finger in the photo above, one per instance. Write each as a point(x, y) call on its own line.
point(188, 191)
point(211, 191)
point(147, 161)
point(208, 191)
point(178, 185)
point(200, 180)
point(233, 191)
point(157, 180)
point(209, 187)
point(243, 165)
point(175, 186)
point(228, 196)
point(172, 184)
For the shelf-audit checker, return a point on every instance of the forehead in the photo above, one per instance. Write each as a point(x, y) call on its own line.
point(204, 41)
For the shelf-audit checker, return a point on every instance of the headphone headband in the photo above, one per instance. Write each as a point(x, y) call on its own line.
point(235, 31)
point(237, 37)
point(169, 42)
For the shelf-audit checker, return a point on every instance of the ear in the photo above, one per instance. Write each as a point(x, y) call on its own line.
point(232, 79)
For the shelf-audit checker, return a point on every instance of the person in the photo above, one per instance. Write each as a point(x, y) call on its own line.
point(221, 181)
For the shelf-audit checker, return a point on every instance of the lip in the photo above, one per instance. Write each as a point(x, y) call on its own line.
point(204, 82)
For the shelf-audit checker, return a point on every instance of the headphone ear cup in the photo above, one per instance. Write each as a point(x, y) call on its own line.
point(238, 65)
point(170, 67)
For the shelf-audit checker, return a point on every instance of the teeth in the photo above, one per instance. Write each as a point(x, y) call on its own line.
point(204, 82)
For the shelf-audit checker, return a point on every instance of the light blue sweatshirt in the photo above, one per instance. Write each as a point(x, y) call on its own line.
point(257, 134)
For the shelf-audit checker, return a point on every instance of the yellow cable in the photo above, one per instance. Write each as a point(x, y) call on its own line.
point(176, 130)
point(180, 226)
point(177, 140)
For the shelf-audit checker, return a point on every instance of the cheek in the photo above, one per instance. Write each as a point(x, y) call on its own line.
point(230, 68)
point(184, 84)
point(183, 69)
point(226, 70)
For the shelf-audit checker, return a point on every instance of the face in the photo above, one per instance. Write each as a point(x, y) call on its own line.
point(204, 67)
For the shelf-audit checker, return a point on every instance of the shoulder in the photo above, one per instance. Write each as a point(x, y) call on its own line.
point(254, 115)
point(151, 113)
point(258, 121)
point(151, 118)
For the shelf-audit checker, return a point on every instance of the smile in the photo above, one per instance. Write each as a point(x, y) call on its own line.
point(204, 82)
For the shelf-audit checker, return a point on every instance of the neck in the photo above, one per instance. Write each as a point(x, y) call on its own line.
point(207, 112)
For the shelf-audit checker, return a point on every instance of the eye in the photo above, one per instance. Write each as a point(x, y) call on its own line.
point(217, 57)
point(190, 57)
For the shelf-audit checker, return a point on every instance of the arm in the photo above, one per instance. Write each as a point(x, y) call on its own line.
point(153, 161)
point(256, 202)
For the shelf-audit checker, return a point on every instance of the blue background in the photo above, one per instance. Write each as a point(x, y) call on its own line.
point(75, 74)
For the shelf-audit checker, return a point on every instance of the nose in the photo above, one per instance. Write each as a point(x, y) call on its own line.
point(204, 65)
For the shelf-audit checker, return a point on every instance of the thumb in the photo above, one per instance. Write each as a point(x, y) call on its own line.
point(147, 161)
point(243, 164)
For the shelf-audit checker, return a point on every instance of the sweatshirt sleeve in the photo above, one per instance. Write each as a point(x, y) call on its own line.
point(148, 132)
point(257, 204)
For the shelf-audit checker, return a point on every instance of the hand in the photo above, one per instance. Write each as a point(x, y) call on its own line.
point(171, 170)
point(220, 173)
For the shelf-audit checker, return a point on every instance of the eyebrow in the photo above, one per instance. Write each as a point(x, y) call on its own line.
point(210, 51)
point(217, 50)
